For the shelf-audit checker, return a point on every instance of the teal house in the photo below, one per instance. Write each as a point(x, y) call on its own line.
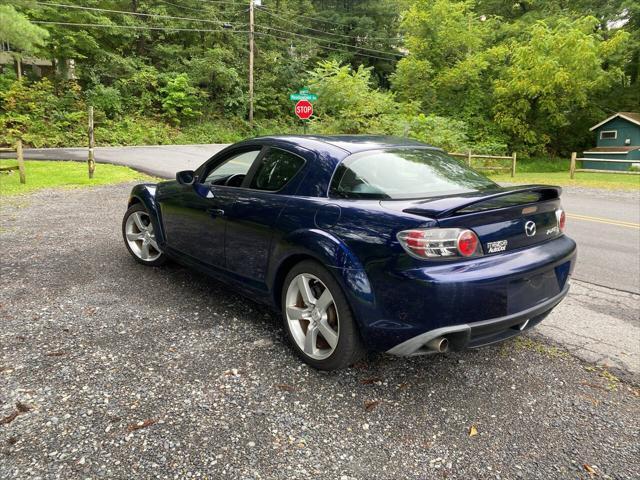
point(618, 138)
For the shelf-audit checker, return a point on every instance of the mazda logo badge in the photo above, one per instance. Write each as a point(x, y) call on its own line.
point(530, 228)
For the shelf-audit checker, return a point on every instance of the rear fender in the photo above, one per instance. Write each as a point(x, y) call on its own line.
point(145, 193)
point(331, 252)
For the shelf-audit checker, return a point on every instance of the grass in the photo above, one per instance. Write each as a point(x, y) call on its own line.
point(61, 175)
point(612, 380)
point(555, 171)
point(609, 181)
point(527, 343)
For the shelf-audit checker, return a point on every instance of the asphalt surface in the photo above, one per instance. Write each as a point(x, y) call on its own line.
point(606, 225)
point(109, 369)
point(160, 160)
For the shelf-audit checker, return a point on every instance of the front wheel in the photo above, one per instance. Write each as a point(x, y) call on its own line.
point(318, 319)
point(140, 237)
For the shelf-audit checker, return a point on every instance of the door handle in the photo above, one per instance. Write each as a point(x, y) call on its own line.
point(216, 212)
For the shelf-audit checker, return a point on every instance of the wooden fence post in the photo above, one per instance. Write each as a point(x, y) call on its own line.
point(20, 158)
point(469, 157)
point(572, 168)
point(91, 159)
point(513, 165)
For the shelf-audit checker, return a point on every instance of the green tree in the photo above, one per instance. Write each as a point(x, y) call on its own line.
point(548, 80)
point(348, 103)
point(19, 32)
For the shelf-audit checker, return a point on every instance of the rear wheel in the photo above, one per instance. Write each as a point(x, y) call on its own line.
point(318, 319)
point(140, 237)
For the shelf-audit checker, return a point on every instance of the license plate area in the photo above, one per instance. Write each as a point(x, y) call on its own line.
point(527, 292)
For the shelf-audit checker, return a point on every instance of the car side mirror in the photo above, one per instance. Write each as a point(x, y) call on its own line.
point(186, 177)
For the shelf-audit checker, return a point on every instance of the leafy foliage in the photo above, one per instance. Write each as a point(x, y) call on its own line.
point(529, 81)
point(489, 75)
point(347, 102)
point(41, 117)
point(550, 79)
point(179, 99)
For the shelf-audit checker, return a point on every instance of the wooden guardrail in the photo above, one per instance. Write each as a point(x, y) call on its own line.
point(575, 159)
point(469, 156)
point(19, 156)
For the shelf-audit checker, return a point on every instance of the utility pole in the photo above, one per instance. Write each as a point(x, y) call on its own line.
point(251, 3)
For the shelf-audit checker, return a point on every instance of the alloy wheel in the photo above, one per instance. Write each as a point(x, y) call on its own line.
point(141, 237)
point(312, 316)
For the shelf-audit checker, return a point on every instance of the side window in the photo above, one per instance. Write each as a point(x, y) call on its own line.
point(276, 169)
point(608, 134)
point(233, 170)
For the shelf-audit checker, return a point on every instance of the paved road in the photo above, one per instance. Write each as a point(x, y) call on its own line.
point(159, 160)
point(605, 225)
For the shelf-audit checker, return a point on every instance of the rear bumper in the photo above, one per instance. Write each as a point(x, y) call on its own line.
point(410, 302)
point(479, 334)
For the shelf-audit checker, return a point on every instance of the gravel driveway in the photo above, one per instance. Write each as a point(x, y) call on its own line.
point(109, 369)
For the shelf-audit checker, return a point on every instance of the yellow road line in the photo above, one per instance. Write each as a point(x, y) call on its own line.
point(608, 221)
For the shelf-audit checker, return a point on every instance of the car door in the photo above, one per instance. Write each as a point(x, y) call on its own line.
point(255, 211)
point(193, 216)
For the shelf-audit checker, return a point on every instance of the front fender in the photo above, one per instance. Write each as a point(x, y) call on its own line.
point(331, 252)
point(145, 193)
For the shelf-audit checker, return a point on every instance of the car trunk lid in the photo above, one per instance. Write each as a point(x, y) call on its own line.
point(503, 219)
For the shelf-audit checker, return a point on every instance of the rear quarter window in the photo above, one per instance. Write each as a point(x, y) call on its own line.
point(277, 168)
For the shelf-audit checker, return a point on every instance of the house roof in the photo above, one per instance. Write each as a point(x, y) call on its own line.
point(632, 117)
point(612, 149)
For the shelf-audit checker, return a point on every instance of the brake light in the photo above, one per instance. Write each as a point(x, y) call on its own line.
point(467, 243)
point(440, 242)
point(562, 218)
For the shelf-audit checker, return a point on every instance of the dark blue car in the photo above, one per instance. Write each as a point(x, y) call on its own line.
point(362, 242)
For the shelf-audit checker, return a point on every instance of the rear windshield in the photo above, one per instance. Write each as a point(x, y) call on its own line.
point(404, 173)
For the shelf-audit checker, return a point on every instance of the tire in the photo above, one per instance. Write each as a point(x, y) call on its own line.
point(144, 249)
point(308, 315)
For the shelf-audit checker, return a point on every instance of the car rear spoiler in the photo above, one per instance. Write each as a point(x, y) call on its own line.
point(488, 200)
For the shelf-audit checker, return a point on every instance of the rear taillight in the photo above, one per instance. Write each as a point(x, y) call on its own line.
point(562, 218)
point(440, 242)
point(467, 243)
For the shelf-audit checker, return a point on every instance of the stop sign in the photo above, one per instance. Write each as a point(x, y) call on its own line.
point(304, 109)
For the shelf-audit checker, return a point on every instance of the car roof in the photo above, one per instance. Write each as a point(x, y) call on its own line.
point(348, 143)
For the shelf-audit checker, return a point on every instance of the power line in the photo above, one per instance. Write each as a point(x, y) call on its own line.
point(139, 14)
point(314, 18)
point(222, 1)
point(218, 22)
point(193, 9)
point(268, 12)
point(332, 41)
point(175, 29)
point(331, 48)
point(138, 27)
point(200, 10)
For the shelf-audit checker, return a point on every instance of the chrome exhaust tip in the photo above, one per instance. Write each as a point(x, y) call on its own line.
point(438, 344)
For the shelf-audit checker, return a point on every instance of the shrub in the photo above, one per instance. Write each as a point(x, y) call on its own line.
point(134, 130)
point(442, 132)
point(180, 99)
point(140, 91)
point(33, 112)
point(105, 99)
point(347, 103)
